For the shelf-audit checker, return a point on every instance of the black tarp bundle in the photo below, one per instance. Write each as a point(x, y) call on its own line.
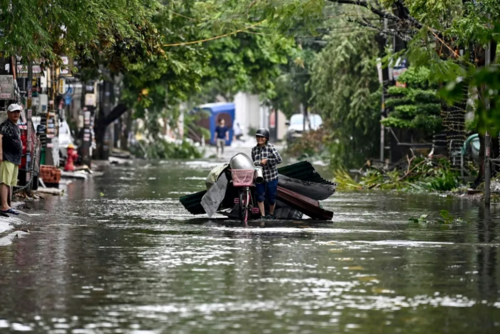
point(300, 188)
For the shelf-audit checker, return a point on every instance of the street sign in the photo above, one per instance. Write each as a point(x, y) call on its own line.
point(22, 71)
point(90, 100)
point(62, 86)
point(65, 69)
point(397, 71)
point(399, 68)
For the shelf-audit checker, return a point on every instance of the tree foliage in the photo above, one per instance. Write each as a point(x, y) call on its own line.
point(449, 37)
point(292, 86)
point(417, 106)
point(197, 64)
point(248, 62)
point(113, 33)
point(346, 92)
point(166, 51)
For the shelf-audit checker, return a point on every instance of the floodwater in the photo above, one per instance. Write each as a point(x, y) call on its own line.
point(119, 254)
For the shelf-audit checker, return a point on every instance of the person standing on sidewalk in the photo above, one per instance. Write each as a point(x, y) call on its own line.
point(221, 135)
point(268, 157)
point(11, 150)
point(238, 133)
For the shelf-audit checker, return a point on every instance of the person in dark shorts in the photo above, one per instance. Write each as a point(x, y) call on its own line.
point(11, 149)
point(268, 157)
point(221, 135)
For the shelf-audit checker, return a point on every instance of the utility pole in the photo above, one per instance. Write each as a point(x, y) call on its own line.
point(382, 113)
point(487, 168)
point(383, 77)
point(487, 141)
point(302, 111)
point(276, 112)
point(29, 89)
point(382, 128)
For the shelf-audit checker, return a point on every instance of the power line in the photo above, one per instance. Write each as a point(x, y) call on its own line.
point(215, 37)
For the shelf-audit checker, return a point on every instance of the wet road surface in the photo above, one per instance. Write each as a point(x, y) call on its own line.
point(119, 254)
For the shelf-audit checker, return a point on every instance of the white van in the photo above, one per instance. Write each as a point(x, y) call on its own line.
point(296, 125)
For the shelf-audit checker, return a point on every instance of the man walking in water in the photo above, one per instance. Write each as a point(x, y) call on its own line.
point(11, 149)
point(221, 135)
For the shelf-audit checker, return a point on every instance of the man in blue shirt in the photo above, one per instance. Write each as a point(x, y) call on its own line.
point(221, 135)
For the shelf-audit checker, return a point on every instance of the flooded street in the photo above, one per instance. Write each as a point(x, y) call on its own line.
point(119, 254)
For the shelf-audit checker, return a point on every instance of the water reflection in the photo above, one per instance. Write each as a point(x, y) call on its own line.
point(120, 255)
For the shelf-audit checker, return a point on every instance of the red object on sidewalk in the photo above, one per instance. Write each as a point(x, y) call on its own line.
point(72, 156)
point(50, 174)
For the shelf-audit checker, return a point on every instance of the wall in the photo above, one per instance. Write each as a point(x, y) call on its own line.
point(282, 127)
point(247, 111)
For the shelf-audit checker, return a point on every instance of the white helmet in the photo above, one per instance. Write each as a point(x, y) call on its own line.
point(14, 107)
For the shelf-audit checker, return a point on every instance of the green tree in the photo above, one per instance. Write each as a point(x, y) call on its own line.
point(417, 106)
point(292, 86)
point(204, 58)
point(346, 91)
point(112, 33)
point(247, 62)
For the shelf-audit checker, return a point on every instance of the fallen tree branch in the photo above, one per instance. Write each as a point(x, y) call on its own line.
point(409, 163)
point(408, 173)
point(116, 113)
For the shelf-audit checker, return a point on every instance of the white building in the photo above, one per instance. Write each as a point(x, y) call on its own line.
point(249, 113)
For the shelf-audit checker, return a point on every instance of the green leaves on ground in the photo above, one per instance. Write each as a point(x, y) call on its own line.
point(444, 218)
point(420, 175)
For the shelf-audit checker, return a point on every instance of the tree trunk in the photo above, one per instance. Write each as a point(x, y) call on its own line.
point(495, 145)
point(495, 153)
point(101, 124)
point(125, 130)
point(100, 135)
point(480, 175)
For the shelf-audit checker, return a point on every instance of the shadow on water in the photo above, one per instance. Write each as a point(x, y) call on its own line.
point(120, 254)
point(298, 223)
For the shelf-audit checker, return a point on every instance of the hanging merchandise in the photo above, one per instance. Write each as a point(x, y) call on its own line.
point(87, 135)
point(7, 87)
point(51, 120)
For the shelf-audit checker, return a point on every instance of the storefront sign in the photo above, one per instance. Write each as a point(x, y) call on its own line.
point(90, 100)
point(62, 86)
point(6, 87)
point(22, 71)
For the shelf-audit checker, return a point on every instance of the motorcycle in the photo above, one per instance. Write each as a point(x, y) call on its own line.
point(244, 175)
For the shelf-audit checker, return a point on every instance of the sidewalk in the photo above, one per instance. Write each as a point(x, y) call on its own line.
point(8, 227)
